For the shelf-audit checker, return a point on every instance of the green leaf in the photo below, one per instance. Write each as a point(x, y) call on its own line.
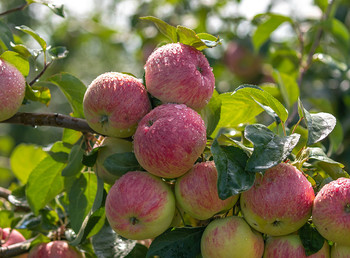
point(39, 94)
point(58, 52)
point(89, 159)
point(71, 136)
point(7, 143)
point(165, 28)
point(269, 148)
point(319, 125)
point(288, 87)
point(74, 165)
point(138, 251)
point(178, 242)
point(24, 159)
point(322, 4)
point(339, 32)
point(6, 35)
point(230, 162)
point(211, 113)
point(330, 62)
point(44, 183)
point(270, 24)
point(35, 36)
point(81, 198)
point(21, 49)
point(73, 89)
point(120, 163)
point(311, 239)
point(6, 218)
point(18, 61)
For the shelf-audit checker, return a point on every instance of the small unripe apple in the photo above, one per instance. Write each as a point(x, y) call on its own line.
point(331, 211)
point(110, 146)
point(114, 103)
point(279, 202)
point(197, 192)
point(340, 251)
point(9, 237)
point(231, 237)
point(56, 249)
point(178, 73)
point(12, 90)
point(140, 206)
point(169, 139)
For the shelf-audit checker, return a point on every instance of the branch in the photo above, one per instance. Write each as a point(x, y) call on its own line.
point(40, 74)
point(4, 193)
point(55, 120)
point(19, 8)
point(15, 249)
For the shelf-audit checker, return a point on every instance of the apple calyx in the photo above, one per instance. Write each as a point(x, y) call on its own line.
point(104, 120)
point(276, 223)
point(347, 208)
point(134, 220)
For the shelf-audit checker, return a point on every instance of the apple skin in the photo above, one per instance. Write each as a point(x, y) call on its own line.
point(12, 90)
point(340, 251)
point(57, 249)
point(331, 211)
point(231, 237)
point(169, 139)
point(12, 237)
point(140, 206)
point(178, 73)
point(114, 103)
point(279, 202)
point(197, 192)
point(110, 146)
point(291, 246)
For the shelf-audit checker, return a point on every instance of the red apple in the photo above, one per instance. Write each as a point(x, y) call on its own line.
point(9, 237)
point(56, 249)
point(340, 251)
point(279, 202)
point(331, 211)
point(12, 90)
point(291, 246)
point(179, 73)
point(110, 146)
point(140, 206)
point(114, 103)
point(231, 237)
point(197, 192)
point(169, 140)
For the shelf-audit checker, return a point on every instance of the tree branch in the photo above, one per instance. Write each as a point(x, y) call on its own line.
point(16, 249)
point(55, 120)
point(19, 8)
point(4, 193)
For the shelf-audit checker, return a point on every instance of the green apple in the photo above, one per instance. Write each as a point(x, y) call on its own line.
point(340, 251)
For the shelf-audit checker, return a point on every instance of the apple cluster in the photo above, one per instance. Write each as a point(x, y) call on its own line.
point(168, 142)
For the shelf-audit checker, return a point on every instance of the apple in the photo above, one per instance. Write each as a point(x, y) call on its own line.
point(331, 211)
point(178, 73)
point(114, 103)
point(197, 192)
point(140, 206)
point(110, 146)
point(340, 251)
point(9, 237)
point(291, 246)
point(169, 139)
point(279, 202)
point(57, 249)
point(12, 90)
point(231, 237)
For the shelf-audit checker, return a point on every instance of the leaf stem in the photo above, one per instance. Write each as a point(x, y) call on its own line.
point(18, 8)
point(46, 65)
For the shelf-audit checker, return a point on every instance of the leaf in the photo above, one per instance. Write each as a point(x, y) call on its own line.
point(39, 94)
point(24, 159)
point(6, 35)
point(58, 52)
point(74, 165)
point(322, 4)
point(319, 125)
point(330, 62)
point(44, 183)
point(270, 24)
point(311, 239)
point(18, 61)
point(21, 49)
point(70, 136)
point(165, 28)
point(89, 159)
point(73, 89)
point(35, 36)
point(211, 113)
point(230, 162)
point(269, 148)
point(178, 242)
point(288, 87)
point(339, 32)
point(138, 251)
point(120, 163)
point(6, 218)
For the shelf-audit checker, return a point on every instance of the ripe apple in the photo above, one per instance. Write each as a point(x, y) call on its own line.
point(114, 103)
point(340, 251)
point(110, 146)
point(169, 139)
point(57, 249)
point(9, 237)
point(179, 73)
point(12, 90)
point(197, 192)
point(140, 206)
point(231, 237)
point(279, 202)
point(291, 246)
point(331, 211)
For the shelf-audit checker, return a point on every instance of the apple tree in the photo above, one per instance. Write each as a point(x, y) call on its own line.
point(217, 147)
